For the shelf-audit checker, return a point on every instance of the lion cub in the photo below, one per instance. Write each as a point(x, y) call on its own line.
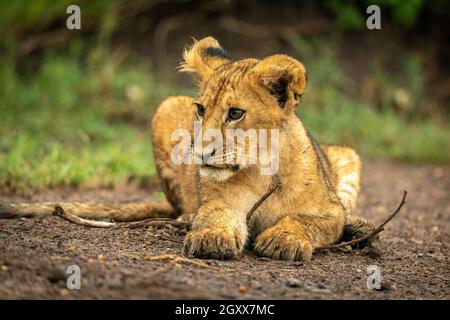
point(319, 184)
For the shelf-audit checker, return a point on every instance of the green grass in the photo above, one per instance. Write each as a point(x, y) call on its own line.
point(83, 122)
point(64, 124)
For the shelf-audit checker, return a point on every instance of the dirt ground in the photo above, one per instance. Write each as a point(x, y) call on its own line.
point(119, 263)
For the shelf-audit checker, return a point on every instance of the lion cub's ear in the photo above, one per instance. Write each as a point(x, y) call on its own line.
point(284, 78)
point(203, 57)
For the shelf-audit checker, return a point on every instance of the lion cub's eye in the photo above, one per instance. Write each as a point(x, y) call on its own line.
point(235, 114)
point(200, 110)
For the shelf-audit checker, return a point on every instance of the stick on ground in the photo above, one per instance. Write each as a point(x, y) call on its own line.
point(154, 222)
point(159, 222)
point(175, 258)
point(59, 211)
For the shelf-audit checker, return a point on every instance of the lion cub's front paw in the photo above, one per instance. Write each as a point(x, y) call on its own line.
point(277, 243)
point(213, 244)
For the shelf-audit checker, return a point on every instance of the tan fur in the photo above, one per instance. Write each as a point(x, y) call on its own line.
point(197, 60)
point(310, 207)
point(319, 184)
point(118, 212)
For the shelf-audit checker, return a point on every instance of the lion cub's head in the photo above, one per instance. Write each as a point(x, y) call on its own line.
point(243, 97)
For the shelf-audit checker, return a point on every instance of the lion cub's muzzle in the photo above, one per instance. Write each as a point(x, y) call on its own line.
point(213, 166)
point(218, 173)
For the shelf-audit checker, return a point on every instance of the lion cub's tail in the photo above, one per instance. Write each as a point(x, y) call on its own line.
point(118, 212)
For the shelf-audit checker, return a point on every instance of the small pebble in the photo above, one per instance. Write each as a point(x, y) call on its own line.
point(243, 289)
point(64, 292)
point(293, 283)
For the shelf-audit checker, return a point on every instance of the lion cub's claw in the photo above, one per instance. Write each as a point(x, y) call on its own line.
point(282, 245)
point(213, 244)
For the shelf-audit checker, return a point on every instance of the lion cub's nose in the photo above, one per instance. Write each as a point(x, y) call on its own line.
point(207, 156)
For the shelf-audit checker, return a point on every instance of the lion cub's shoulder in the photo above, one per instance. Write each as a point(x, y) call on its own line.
point(173, 113)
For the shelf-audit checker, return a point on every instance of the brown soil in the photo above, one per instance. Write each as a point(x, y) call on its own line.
point(117, 263)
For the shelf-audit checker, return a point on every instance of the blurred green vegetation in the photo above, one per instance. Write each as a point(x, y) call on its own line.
point(72, 123)
point(337, 113)
point(69, 124)
point(40, 13)
point(80, 116)
point(350, 14)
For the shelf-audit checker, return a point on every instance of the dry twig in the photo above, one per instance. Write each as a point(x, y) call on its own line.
point(153, 222)
point(177, 259)
point(59, 211)
point(160, 222)
point(169, 239)
point(275, 185)
point(157, 222)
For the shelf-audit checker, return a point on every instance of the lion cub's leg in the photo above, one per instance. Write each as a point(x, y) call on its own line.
point(177, 180)
point(324, 219)
point(285, 240)
point(218, 232)
point(346, 166)
point(357, 227)
point(295, 237)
